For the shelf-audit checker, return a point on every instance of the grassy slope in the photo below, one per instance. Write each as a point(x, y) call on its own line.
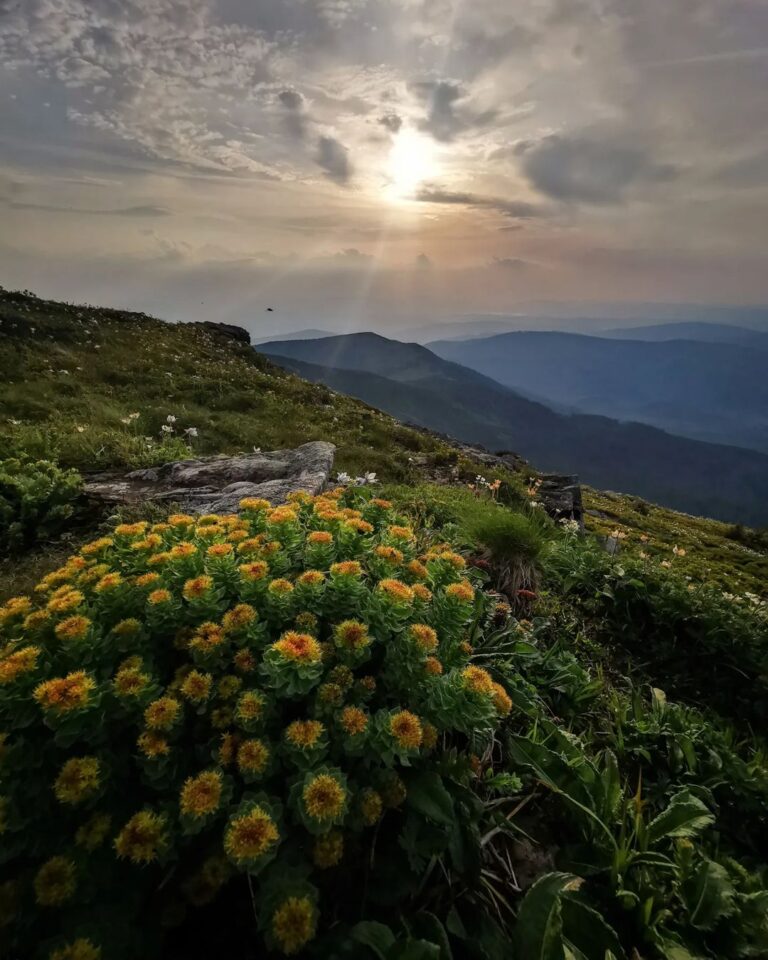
point(118, 363)
point(70, 374)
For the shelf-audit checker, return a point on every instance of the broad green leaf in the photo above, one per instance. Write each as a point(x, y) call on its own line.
point(586, 930)
point(376, 936)
point(539, 930)
point(428, 796)
point(428, 926)
point(415, 950)
point(708, 894)
point(685, 816)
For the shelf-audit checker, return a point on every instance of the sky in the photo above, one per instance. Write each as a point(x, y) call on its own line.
point(386, 163)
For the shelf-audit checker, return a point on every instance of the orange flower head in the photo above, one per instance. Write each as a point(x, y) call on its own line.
point(130, 682)
point(143, 838)
point(478, 680)
point(252, 756)
point(347, 568)
point(201, 795)
point(70, 600)
point(301, 647)
point(55, 882)
point(311, 578)
point(153, 745)
point(238, 618)
point(354, 721)
point(422, 593)
point(352, 635)
point(250, 835)
point(406, 728)
point(320, 536)
point(18, 662)
point(433, 666)
point(396, 590)
point(109, 581)
point(218, 550)
point(280, 587)
point(244, 661)
point(281, 515)
point(78, 779)
point(400, 533)
point(207, 638)
point(293, 924)
point(328, 850)
point(197, 587)
point(359, 526)
point(196, 686)
point(162, 713)
point(389, 555)
point(324, 798)
point(462, 591)
point(255, 504)
point(147, 579)
point(371, 806)
point(159, 597)
point(304, 733)
point(501, 700)
point(381, 504)
point(65, 694)
point(424, 636)
point(183, 550)
point(251, 572)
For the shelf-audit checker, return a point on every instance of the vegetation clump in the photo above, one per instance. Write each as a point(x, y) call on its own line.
point(37, 501)
point(204, 697)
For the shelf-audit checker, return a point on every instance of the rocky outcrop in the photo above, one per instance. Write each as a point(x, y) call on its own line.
point(226, 330)
point(217, 484)
point(561, 496)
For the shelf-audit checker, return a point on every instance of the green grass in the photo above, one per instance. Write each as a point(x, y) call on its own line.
point(712, 555)
point(73, 375)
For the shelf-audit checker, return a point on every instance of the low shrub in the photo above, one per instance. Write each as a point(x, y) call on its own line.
point(268, 713)
point(37, 499)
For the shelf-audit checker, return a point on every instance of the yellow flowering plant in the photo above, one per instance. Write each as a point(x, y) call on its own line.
point(255, 694)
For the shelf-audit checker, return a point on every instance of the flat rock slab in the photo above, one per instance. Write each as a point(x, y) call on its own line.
point(218, 484)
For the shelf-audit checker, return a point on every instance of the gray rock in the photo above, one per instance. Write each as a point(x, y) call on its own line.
point(561, 496)
point(217, 484)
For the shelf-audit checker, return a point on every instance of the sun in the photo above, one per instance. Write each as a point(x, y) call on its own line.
point(412, 161)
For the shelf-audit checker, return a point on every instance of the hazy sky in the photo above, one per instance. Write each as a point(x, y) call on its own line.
point(361, 161)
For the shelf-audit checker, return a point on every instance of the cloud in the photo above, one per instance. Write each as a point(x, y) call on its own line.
point(519, 209)
point(448, 110)
point(589, 170)
point(139, 210)
point(423, 262)
point(333, 157)
point(391, 121)
point(509, 263)
point(294, 121)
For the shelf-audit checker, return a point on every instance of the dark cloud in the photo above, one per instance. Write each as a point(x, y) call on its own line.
point(448, 111)
point(333, 157)
point(140, 210)
point(391, 121)
point(589, 170)
point(510, 208)
point(294, 120)
point(746, 172)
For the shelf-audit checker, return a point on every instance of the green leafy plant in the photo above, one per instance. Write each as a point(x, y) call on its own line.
point(265, 706)
point(37, 500)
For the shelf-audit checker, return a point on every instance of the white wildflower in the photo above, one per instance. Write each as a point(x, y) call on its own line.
point(191, 431)
point(170, 418)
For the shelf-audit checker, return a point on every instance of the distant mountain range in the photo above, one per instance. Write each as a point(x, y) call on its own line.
point(712, 391)
point(701, 332)
point(413, 384)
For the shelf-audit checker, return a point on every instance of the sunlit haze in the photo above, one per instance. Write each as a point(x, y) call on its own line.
point(387, 164)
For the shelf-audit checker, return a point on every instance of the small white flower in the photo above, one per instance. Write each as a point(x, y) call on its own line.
point(14, 423)
point(257, 449)
point(343, 478)
point(167, 428)
point(371, 478)
point(191, 431)
point(134, 416)
point(80, 429)
point(170, 418)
